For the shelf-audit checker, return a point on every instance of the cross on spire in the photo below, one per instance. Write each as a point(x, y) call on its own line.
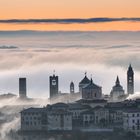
point(85, 73)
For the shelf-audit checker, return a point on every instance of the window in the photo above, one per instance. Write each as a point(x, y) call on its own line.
point(133, 121)
point(95, 95)
point(138, 115)
point(90, 117)
point(27, 123)
point(133, 115)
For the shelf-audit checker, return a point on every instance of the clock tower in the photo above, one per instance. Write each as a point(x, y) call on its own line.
point(53, 86)
point(130, 80)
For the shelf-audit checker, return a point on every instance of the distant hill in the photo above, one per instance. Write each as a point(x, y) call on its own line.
point(7, 96)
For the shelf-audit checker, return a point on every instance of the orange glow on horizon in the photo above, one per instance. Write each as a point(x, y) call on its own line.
point(116, 26)
point(45, 9)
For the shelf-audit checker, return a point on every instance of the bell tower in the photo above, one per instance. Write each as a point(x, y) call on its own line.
point(130, 80)
point(53, 85)
point(72, 87)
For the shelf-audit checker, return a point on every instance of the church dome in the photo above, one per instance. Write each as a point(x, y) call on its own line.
point(85, 80)
point(117, 86)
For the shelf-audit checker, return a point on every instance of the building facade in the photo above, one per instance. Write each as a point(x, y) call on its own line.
point(50, 118)
point(131, 121)
point(91, 91)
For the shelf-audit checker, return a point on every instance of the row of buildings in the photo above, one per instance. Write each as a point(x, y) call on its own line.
point(89, 90)
point(90, 112)
point(81, 116)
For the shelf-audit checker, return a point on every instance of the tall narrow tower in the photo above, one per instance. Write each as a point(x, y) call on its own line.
point(53, 86)
point(22, 88)
point(72, 87)
point(130, 80)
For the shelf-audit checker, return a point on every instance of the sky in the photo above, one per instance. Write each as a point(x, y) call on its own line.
point(36, 54)
point(67, 9)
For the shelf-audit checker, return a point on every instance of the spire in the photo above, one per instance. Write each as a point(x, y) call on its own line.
point(91, 81)
point(130, 69)
point(117, 81)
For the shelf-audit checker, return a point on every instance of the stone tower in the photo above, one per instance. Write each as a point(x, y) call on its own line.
point(22, 88)
point(130, 80)
point(53, 86)
point(72, 87)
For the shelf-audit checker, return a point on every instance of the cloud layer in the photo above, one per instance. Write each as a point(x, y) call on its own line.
point(102, 54)
point(71, 20)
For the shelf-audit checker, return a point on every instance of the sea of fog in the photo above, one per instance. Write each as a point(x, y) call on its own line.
point(35, 55)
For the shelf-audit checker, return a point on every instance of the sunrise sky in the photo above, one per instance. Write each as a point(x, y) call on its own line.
point(65, 9)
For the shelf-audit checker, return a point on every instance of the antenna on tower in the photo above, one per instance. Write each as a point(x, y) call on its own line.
point(53, 72)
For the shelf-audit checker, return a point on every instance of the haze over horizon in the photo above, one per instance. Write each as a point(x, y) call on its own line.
point(35, 56)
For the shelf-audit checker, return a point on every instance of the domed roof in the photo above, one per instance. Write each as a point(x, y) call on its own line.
point(85, 80)
point(117, 87)
point(91, 85)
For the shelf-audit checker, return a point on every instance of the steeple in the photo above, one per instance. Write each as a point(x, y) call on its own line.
point(117, 81)
point(130, 70)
